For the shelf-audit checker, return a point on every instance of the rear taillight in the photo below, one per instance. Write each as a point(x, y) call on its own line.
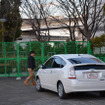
point(72, 73)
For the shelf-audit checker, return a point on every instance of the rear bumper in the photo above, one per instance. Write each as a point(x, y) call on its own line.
point(82, 86)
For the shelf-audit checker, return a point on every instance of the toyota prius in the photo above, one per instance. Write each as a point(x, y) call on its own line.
point(67, 73)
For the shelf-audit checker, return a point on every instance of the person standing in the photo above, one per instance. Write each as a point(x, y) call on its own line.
point(31, 67)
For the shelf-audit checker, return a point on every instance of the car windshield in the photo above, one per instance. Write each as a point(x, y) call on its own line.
point(84, 60)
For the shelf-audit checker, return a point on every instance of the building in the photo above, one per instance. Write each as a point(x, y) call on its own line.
point(57, 32)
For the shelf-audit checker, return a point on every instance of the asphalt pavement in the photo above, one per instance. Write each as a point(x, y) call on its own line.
point(14, 92)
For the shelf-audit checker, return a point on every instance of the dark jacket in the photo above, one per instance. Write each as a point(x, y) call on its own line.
point(31, 62)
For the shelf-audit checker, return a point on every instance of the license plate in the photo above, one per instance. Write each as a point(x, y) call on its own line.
point(92, 75)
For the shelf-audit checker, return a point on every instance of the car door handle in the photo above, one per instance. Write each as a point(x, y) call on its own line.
point(52, 72)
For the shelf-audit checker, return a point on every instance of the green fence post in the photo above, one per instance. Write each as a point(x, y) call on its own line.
point(76, 47)
point(54, 48)
point(42, 52)
point(5, 59)
point(30, 46)
point(65, 48)
point(89, 48)
point(18, 63)
point(100, 53)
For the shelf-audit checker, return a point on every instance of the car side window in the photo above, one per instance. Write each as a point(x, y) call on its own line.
point(58, 63)
point(48, 64)
point(63, 63)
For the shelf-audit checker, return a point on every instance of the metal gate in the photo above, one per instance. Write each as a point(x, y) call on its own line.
point(13, 56)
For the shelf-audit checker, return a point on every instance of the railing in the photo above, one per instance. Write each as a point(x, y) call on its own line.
point(13, 56)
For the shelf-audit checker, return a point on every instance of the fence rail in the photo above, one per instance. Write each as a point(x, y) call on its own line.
point(13, 56)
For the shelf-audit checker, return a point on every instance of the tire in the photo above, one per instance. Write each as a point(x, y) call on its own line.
point(61, 91)
point(102, 93)
point(38, 85)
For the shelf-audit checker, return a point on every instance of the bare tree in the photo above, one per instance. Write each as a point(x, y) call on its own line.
point(88, 12)
point(104, 17)
point(68, 22)
point(37, 13)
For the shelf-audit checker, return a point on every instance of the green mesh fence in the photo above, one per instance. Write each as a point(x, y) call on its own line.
point(72, 47)
point(13, 56)
point(99, 51)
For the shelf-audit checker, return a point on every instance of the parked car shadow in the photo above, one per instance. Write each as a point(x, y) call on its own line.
point(78, 96)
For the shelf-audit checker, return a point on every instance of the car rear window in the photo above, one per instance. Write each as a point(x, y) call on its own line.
point(87, 67)
point(84, 60)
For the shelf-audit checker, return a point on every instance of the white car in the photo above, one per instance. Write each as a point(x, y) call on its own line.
point(67, 73)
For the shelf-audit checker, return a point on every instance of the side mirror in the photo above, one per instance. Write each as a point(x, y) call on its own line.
point(40, 66)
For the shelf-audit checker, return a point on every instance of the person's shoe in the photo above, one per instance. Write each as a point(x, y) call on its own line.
point(26, 83)
point(33, 83)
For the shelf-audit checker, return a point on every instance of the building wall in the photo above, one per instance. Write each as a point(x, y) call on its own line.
point(56, 33)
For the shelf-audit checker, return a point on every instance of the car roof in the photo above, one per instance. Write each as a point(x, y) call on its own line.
point(68, 56)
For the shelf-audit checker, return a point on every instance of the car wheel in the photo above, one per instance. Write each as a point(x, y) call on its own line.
point(102, 93)
point(61, 91)
point(38, 85)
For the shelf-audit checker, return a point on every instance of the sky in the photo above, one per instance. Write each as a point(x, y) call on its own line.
point(57, 13)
